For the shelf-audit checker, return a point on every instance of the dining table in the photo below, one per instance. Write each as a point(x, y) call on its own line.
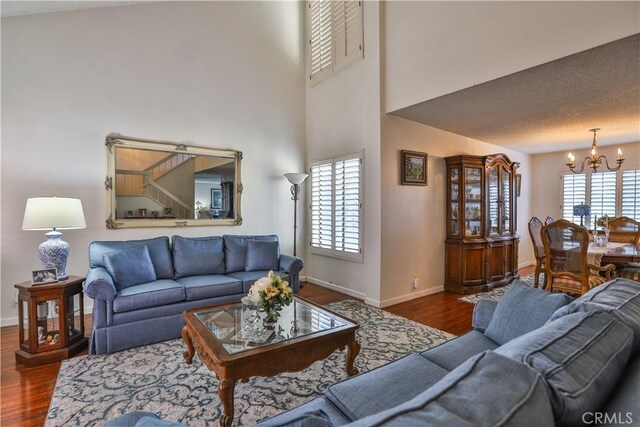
point(617, 253)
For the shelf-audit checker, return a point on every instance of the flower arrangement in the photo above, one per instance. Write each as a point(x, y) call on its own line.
point(271, 293)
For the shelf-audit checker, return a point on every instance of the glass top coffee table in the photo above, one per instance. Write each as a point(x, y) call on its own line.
point(236, 346)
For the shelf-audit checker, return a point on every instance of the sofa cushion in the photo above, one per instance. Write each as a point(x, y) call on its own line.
point(453, 353)
point(620, 298)
point(398, 381)
point(197, 256)
point(158, 250)
point(486, 390)
point(581, 356)
point(334, 416)
point(130, 267)
point(262, 255)
point(625, 398)
point(249, 277)
point(482, 314)
point(522, 309)
point(235, 250)
point(200, 287)
point(147, 295)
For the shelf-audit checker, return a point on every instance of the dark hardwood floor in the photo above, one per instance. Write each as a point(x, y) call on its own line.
point(26, 392)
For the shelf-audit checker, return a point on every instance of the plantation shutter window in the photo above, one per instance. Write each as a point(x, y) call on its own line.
point(335, 32)
point(574, 192)
point(336, 207)
point(631, 194)
point(603, 194)
point(322, 205)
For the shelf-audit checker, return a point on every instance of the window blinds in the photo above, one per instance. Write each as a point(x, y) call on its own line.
point(631, 194)
point(336, 207)
point(335, 30)
point(321, 205)
point(603, 194)
point(574, 192)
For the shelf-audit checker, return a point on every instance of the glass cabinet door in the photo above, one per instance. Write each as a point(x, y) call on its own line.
point(506, 201)
point(493, 200)
point(454, 179)
point(473, 201)
point(48, 324)
point(73, 320)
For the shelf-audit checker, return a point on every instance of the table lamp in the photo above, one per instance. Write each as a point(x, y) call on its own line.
point(295, 179)
point(54, 213)
point(581, 211)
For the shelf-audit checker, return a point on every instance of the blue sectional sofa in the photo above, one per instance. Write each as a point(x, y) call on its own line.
point(141, 287)
point(533, 359)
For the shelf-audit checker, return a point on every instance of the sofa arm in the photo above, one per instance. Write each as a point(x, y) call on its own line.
point(482, 314)
point(291, 264)
point(99, 285)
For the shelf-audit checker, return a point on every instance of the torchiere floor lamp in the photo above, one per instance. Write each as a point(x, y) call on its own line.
point(295, 179)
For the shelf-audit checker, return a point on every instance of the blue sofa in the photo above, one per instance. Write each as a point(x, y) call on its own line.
point(533, 359)
point(140, 288)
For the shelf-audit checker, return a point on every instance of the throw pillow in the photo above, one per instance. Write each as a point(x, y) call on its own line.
point(197, 256)
point(522, 309)
point(130, 267)
point(262, 255)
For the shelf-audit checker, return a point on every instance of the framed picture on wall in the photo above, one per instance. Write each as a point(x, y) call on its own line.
point(413, 168)
point(216, 199)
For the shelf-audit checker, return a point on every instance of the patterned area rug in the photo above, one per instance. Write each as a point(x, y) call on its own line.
point(154, 378)
point(496, 294)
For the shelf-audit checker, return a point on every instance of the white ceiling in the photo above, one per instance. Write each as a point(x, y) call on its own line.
point(16, 8)
point(550, 107)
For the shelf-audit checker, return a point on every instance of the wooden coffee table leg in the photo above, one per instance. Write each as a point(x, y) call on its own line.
point(225, 392)
point(188, 355)
point(352, 351)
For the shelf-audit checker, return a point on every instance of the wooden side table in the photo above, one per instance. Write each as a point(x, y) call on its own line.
point(51, 321)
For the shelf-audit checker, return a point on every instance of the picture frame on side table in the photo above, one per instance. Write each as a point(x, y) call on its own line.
point(44, 276)
point(413, 167)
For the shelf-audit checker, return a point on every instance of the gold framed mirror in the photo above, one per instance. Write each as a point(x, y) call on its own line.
point(167, 184)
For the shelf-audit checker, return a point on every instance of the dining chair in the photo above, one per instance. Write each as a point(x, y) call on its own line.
point(535, 226)
point(548, 221)
point(566, 266)
point(624, 230)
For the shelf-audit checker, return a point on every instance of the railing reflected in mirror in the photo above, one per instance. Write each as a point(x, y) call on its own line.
point(164, 184)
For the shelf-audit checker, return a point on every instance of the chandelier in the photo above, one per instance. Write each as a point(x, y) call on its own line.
point(594, 161)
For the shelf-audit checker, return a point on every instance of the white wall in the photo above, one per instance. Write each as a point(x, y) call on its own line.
point(437, 47)
point(343, 116)
point(548, 169)
point(215, 74)
point(414, 218)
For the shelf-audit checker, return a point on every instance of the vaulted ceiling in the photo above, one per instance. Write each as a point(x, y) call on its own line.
point(550, 107)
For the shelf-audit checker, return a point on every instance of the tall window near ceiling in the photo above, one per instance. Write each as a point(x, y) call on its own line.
point(631, 194)
point(608, 193)
point(336, 207)
point(335, 34)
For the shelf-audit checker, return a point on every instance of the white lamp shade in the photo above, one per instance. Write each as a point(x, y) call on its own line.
point(296, 178)
point(48, 213)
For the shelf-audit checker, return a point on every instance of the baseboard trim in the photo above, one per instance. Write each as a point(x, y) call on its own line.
point(410, 296)
point(337, 288)
point(526, 264)
point(12, 321)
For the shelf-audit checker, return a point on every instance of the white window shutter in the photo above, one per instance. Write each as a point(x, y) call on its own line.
point(603, 194)
point(347, 205)
point(631, 194)
point(574, 192)
point(322, 205)
point(347, 22)
point(319, 24)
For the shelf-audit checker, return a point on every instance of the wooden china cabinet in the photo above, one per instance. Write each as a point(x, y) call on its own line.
point(482, 245)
